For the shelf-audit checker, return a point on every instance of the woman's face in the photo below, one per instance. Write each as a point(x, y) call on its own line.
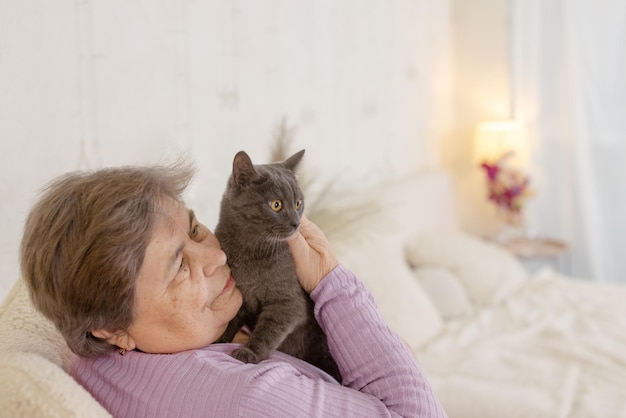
point(184, 295)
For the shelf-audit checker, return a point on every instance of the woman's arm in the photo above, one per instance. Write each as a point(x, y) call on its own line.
point(380, 374)
point(372, 358)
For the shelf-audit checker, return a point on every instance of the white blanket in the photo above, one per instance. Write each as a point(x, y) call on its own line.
point(556, 347)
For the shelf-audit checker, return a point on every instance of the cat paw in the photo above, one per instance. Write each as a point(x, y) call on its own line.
point(246, 355)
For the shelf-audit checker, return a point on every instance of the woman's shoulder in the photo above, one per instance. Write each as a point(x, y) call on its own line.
point(207, 380)
point(165, 384)
point(214, 361)
point(215, 356)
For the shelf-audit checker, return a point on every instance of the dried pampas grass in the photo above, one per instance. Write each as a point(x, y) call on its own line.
point(326, 205)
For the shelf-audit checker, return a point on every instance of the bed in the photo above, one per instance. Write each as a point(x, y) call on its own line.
point(494, 340)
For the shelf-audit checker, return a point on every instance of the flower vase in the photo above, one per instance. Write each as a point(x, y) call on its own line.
point(510, 225)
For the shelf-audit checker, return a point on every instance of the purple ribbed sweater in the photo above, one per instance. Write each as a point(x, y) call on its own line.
point(381, 377)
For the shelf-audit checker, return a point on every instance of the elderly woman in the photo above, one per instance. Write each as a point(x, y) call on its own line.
point(140, 290)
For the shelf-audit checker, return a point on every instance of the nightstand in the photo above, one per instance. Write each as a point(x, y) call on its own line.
point(535, 252)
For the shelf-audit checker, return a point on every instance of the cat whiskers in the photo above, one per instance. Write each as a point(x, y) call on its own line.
point(270, 243)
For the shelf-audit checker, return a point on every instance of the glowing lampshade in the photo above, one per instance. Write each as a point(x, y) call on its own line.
point(494, 139)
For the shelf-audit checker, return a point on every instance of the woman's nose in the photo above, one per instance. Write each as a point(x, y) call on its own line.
point(212, 257)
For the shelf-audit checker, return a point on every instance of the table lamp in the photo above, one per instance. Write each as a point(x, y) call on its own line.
point(494, 139)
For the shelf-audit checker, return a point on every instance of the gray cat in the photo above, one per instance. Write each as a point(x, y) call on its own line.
point(260, 208)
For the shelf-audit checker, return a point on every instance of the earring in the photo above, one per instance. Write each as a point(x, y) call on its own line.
point(122, 351)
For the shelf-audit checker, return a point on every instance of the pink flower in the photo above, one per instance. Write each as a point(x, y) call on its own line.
point(491, 169)
point(508, 188)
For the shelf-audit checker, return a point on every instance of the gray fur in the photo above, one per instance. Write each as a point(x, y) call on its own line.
point(275, 307)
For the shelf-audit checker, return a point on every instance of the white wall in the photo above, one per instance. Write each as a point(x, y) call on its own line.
point(481, 86)
point(86, 84)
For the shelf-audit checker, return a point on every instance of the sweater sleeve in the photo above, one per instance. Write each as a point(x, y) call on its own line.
point(372, 358)
point(381, 376)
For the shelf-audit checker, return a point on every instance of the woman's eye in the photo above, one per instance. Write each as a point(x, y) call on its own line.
point(276, 205)
point(195, 231)
point(298, 204)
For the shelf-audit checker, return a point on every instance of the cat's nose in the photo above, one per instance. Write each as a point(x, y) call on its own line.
point(295, 224)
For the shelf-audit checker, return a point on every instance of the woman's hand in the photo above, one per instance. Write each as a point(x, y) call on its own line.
point(312, 254)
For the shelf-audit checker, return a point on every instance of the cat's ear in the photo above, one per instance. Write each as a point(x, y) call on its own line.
point(293, 161)
point(243, 169)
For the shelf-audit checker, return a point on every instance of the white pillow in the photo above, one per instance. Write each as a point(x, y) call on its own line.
point(396, 209)
point(445, 291)
point(487, 271)
point(402, 302)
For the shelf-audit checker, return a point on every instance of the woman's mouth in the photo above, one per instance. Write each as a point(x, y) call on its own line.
point(230, 285)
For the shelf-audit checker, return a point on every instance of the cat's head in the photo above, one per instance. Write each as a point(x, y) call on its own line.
point(266, 198)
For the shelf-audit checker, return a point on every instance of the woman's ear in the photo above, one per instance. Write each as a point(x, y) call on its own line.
point(118, 338)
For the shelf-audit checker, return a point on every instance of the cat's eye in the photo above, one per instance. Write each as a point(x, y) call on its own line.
point(276, 205)
point(298, 204)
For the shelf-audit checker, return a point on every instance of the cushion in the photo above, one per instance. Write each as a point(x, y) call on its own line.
point(402, 302)
point(24, 329)
point(34, 364)
point(33, 386)
point(396, 209)
point(445, 291)
point(487, 271)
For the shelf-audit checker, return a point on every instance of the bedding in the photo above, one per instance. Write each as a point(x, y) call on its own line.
point(494, 340)
point(552, 348)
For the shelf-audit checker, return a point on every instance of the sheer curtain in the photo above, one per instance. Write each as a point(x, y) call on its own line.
point(569, 91)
